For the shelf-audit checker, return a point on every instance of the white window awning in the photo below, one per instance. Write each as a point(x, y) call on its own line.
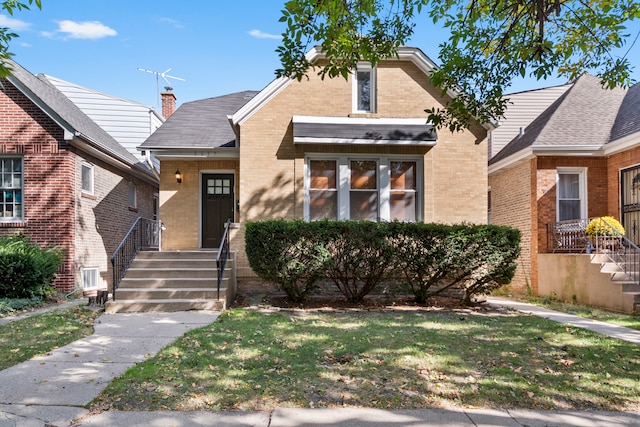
point(373, 131)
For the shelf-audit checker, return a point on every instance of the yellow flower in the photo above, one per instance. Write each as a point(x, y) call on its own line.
point(604, 226)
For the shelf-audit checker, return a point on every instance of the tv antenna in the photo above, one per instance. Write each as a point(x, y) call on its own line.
point(164, 76)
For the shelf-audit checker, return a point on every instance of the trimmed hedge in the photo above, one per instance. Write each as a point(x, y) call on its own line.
point(426, 259)
point(26, 269)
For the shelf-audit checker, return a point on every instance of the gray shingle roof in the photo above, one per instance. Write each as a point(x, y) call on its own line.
point(68, 115)
point(628, 120)
point(582, 116)
point(201, 124)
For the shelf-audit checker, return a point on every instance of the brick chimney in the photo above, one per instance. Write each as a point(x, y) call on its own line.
point(168, 102)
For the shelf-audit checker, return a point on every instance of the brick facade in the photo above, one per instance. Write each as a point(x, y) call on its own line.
point(55, 213)
point(531, 206)
point(270, 169)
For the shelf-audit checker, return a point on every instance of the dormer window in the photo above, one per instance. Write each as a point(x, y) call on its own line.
point(364, 93)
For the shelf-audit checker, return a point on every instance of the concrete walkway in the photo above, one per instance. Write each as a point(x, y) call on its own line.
point(53, 390)
point(604, 328)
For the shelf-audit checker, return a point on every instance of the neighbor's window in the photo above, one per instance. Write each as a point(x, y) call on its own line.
point(323, 190)
point(364, 89)
point(90, 278)
point(11, 189)
point(375, 188)
point(132, 195)
point(87, 178)
point(570, 194)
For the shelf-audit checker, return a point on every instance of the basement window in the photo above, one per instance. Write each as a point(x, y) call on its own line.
point(90, 278)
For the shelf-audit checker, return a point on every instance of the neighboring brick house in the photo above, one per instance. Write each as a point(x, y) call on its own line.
point(317, 148)
point(65, 181)
point(572, 162)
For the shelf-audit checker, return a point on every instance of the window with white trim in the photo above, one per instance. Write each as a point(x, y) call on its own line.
point(90, 278)
point(363, 188)
point(132, 199)
point(87, 178)
point(11, 189)
point(571, 190)
point(364, 89)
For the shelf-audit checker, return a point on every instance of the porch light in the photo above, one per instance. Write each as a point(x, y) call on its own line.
point(178, 176)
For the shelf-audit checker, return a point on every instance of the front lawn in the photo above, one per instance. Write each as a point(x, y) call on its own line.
point(412, 358)
point(20, 340)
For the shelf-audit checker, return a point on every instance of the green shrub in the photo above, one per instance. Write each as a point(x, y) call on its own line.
point(26, 269)
point(359, 256)
point(287, 254)
point(428, 259)
point(8, 306)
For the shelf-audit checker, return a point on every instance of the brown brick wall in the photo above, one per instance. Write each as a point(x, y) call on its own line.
point(508, 206)
point(104, 219)
point(48, 177)
point(511, 205)
point(616, 163)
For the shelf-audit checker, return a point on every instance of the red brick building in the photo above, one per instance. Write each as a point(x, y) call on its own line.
point(64, 181)
point(580, 158)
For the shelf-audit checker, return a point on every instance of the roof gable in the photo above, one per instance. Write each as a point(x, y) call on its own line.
point(405, 53)
point(65, 113)
point(575, 121)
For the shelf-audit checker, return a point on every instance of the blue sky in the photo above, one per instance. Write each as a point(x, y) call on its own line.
point(216, 46)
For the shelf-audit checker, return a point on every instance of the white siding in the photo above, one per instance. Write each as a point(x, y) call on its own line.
point(523, 108)
point(128, 122)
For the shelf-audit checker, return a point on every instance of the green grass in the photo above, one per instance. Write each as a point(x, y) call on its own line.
point(20, 340)
point(628, 321)
point(404, 359)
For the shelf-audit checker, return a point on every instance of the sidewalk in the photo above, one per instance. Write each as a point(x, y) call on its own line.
point(604, 328)
point(53, 390)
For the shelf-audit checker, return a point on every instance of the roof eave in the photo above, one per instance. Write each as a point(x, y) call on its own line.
point(622, 144)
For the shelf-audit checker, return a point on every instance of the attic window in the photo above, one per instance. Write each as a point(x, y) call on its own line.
point(364, 84)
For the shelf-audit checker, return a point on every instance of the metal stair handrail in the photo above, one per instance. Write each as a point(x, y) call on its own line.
point(144, 233)
point(223, 254)
point(619, 250)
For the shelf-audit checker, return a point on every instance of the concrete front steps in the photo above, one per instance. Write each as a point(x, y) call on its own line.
point(627, 281)
point(173, 281)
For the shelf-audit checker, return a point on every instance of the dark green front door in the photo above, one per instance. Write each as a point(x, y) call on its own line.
point(217, 207)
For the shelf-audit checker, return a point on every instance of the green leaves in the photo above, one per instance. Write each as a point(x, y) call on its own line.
point(491, 43)
point(5, 36)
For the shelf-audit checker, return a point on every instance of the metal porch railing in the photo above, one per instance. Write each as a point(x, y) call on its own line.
point(144, 233)
point(223, 254)
point(570, 236)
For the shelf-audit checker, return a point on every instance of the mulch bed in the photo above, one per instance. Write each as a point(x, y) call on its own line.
point(279, 302)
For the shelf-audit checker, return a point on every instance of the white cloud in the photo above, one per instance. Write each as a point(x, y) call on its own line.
point(262, 35)
point(14, 24)
point(85, 30)
point(172, 22)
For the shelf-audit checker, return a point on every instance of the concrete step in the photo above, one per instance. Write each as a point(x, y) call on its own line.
point(177, 255)
point(630, 287)
point(153, 294)
point(610, 267)
point(171, 273)
point(173, 263)
point(172, 283)
point(163, 305)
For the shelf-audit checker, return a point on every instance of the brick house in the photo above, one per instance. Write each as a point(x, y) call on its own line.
point(572, 162)
point(65, 181)
point(317, 148)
